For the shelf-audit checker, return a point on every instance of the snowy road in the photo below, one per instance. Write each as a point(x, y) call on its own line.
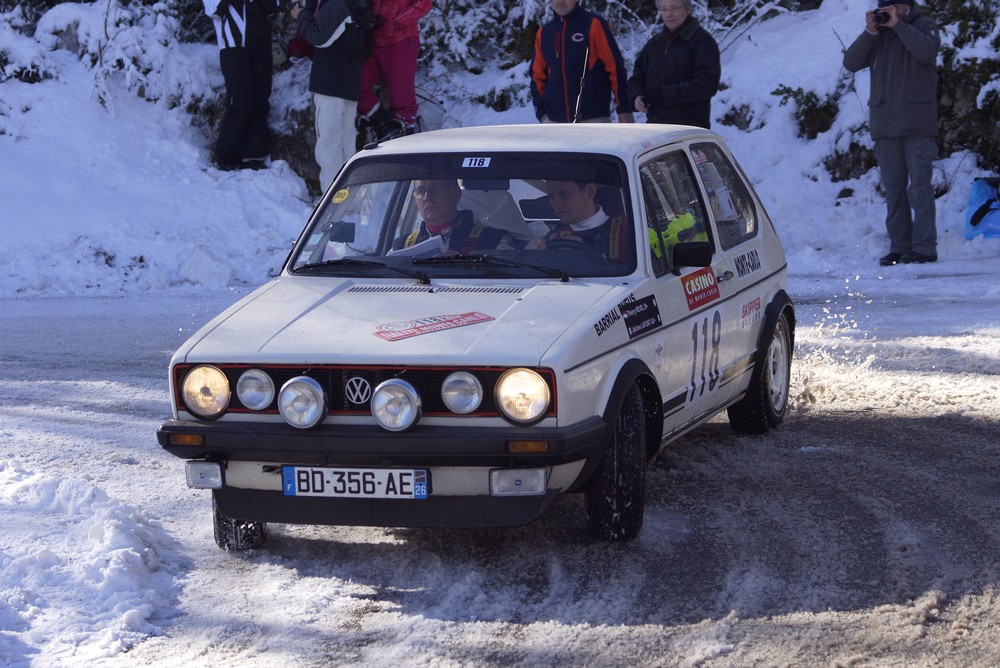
point(864, 532)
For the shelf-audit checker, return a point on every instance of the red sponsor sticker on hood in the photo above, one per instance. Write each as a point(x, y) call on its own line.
point(394, 331)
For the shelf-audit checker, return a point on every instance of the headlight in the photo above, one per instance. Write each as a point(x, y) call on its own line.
point(395, 405)
point(206, 391)
point(462, 392)
point(522, 396)
point(255, 389)
point(302, 403)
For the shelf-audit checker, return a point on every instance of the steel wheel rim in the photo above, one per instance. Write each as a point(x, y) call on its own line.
point(777, 368)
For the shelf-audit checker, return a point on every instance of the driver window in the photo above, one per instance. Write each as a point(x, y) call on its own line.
point(674, 209)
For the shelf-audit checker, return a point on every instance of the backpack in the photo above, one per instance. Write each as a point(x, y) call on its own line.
point(984, 209)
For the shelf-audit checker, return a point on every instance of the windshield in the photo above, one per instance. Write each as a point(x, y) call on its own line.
point(476, 216)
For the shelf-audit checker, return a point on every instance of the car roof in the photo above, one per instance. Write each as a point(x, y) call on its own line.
point(625, 140)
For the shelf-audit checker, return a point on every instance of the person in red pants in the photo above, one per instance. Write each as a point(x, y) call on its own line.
point(393, 63)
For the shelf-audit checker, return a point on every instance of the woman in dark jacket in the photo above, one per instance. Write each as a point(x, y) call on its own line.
point(677, 72)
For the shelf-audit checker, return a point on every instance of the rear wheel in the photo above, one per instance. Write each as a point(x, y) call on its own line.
point(616, 495)
point(763, 408)
point(233, 534)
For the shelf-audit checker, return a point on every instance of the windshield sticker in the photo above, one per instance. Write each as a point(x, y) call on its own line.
point(340, 195)
point(396, 331)
point(700, 288)
point(476, 162)
point(750, 313)
point(747, 263)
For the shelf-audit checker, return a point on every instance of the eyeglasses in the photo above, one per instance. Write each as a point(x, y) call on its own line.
point(672, 9)
point(423, 192)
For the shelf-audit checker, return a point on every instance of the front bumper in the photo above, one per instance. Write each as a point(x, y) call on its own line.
point(458, 460)
point(354, 445)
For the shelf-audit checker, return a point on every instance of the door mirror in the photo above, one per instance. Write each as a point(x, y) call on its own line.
point(692, 254)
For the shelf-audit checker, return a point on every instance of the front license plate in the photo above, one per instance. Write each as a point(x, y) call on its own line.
point(354, 483)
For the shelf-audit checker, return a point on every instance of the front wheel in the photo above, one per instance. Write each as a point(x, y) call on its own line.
point(237, 535)
point(616, 494)
point(763, 408)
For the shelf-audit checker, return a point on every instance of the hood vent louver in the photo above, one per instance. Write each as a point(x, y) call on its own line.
point(381, 289)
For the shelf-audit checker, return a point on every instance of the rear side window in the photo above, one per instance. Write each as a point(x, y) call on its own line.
point(673, 205)
point(728, 198)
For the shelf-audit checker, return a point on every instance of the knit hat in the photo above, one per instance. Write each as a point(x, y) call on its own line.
point(886, 3)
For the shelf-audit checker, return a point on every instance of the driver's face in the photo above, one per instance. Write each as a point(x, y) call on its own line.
point(571, 202)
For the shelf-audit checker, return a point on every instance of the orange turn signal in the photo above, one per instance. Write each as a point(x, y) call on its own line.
point(526, 447)
point(187, 439)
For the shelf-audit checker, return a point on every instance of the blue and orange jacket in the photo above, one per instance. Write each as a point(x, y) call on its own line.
point(561, 45)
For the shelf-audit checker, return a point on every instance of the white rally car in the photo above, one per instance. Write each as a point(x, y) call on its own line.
point(476, 320)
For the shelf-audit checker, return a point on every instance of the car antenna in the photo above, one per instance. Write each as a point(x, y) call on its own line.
point(583, 78)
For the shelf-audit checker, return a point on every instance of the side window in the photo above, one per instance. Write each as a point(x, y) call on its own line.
point(732, 206)
point(673, 205)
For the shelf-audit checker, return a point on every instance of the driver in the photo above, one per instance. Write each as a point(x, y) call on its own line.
point(437, 202)
point(582, 221)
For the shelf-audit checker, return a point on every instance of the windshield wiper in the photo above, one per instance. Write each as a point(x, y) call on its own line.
point(360, 262)
point(493, 260)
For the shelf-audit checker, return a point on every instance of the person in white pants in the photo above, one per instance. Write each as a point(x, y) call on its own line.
point(339, 31)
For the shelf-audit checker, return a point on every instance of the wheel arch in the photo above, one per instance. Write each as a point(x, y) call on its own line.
point(633, 370)
point(780, 303)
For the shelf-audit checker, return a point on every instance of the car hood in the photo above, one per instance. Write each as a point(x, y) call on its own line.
point(333, 321)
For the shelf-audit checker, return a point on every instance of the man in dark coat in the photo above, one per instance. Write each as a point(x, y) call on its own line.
point(678, 70)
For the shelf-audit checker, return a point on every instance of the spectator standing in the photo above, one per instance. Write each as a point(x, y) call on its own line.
point(243, 31)
point(393, 63)
point(677, 72)
point(900, 45)
point(577, 71)
point(338, 31)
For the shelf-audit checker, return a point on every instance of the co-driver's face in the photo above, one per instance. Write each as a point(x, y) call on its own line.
point(437, 201)
point(563, 7)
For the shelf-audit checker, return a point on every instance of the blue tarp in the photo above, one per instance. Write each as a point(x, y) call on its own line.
point(984, 209)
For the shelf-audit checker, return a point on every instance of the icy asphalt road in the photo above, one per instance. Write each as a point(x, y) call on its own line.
point(864, 532)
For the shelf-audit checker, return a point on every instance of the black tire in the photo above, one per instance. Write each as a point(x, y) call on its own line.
point(617, 490)
point(237, 535)
point(763, 408)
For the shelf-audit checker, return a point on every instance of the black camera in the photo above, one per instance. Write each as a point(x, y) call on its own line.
point(881, 17)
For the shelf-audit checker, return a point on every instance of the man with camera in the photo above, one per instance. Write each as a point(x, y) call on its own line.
point(899, 45)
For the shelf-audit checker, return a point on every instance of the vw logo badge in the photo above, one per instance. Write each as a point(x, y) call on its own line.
point(358, 390)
